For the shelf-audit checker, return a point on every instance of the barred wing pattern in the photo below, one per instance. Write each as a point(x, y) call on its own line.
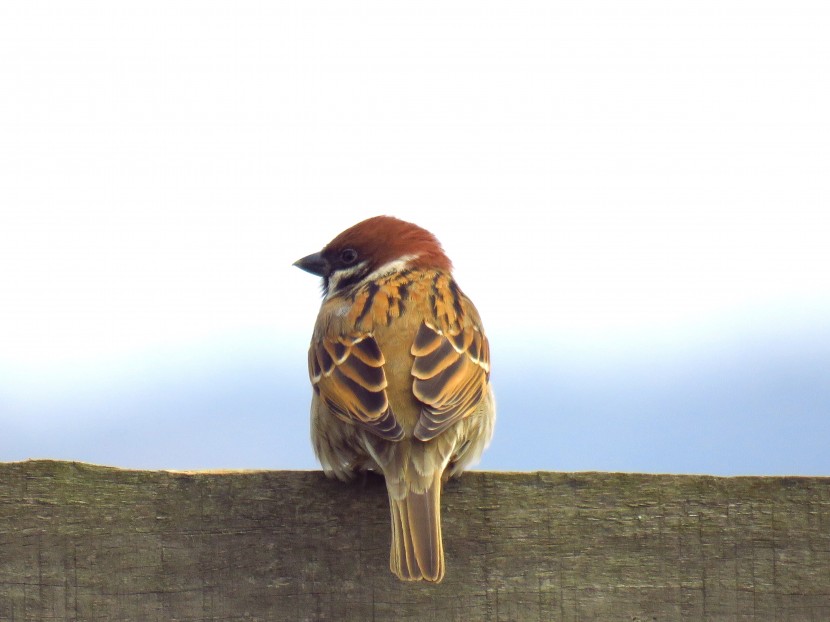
point(451, 371)
point(347, 373)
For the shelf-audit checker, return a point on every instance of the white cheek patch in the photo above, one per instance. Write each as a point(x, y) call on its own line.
point(399, 264)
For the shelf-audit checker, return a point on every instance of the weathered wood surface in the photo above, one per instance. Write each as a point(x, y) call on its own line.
point(80, 542)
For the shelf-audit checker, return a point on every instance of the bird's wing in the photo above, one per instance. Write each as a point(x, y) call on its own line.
point(347, 373)
point(451, 371)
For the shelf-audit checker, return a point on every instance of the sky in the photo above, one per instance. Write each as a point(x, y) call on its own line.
point(635, 195)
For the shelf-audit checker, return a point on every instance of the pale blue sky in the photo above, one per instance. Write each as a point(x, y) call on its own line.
point(635, 195)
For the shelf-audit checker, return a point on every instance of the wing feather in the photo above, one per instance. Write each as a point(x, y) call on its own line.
point(348, 374)
point(427, 366)
point(451, 371)
point(368, 351)
point(365, 376)
point(426, 340)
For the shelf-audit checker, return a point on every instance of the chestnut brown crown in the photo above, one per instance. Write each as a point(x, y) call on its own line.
point(368, 246)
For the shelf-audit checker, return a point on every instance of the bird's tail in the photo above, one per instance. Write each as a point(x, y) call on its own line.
point(417, 551)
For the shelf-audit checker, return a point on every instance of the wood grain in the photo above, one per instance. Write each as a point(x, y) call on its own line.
point(81, 542)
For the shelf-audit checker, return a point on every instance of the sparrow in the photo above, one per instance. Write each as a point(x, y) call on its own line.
point(400, 369)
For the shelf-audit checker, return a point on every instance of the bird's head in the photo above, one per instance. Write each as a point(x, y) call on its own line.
point(372, 248)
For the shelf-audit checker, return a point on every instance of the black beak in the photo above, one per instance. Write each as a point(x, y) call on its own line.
point(314, 263)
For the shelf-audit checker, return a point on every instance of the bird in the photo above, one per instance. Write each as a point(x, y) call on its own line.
point(400, 368)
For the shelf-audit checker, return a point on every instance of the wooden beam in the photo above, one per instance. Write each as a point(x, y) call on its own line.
point(82, 542)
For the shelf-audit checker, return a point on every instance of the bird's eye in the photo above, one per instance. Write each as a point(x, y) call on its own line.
point(348, 255)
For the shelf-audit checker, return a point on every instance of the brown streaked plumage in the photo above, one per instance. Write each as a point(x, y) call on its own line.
point(400, 367)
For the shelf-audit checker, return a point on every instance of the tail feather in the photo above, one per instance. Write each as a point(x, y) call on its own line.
point(417, 550)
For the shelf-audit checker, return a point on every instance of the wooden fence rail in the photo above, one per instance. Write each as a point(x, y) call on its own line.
point(81, 542)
